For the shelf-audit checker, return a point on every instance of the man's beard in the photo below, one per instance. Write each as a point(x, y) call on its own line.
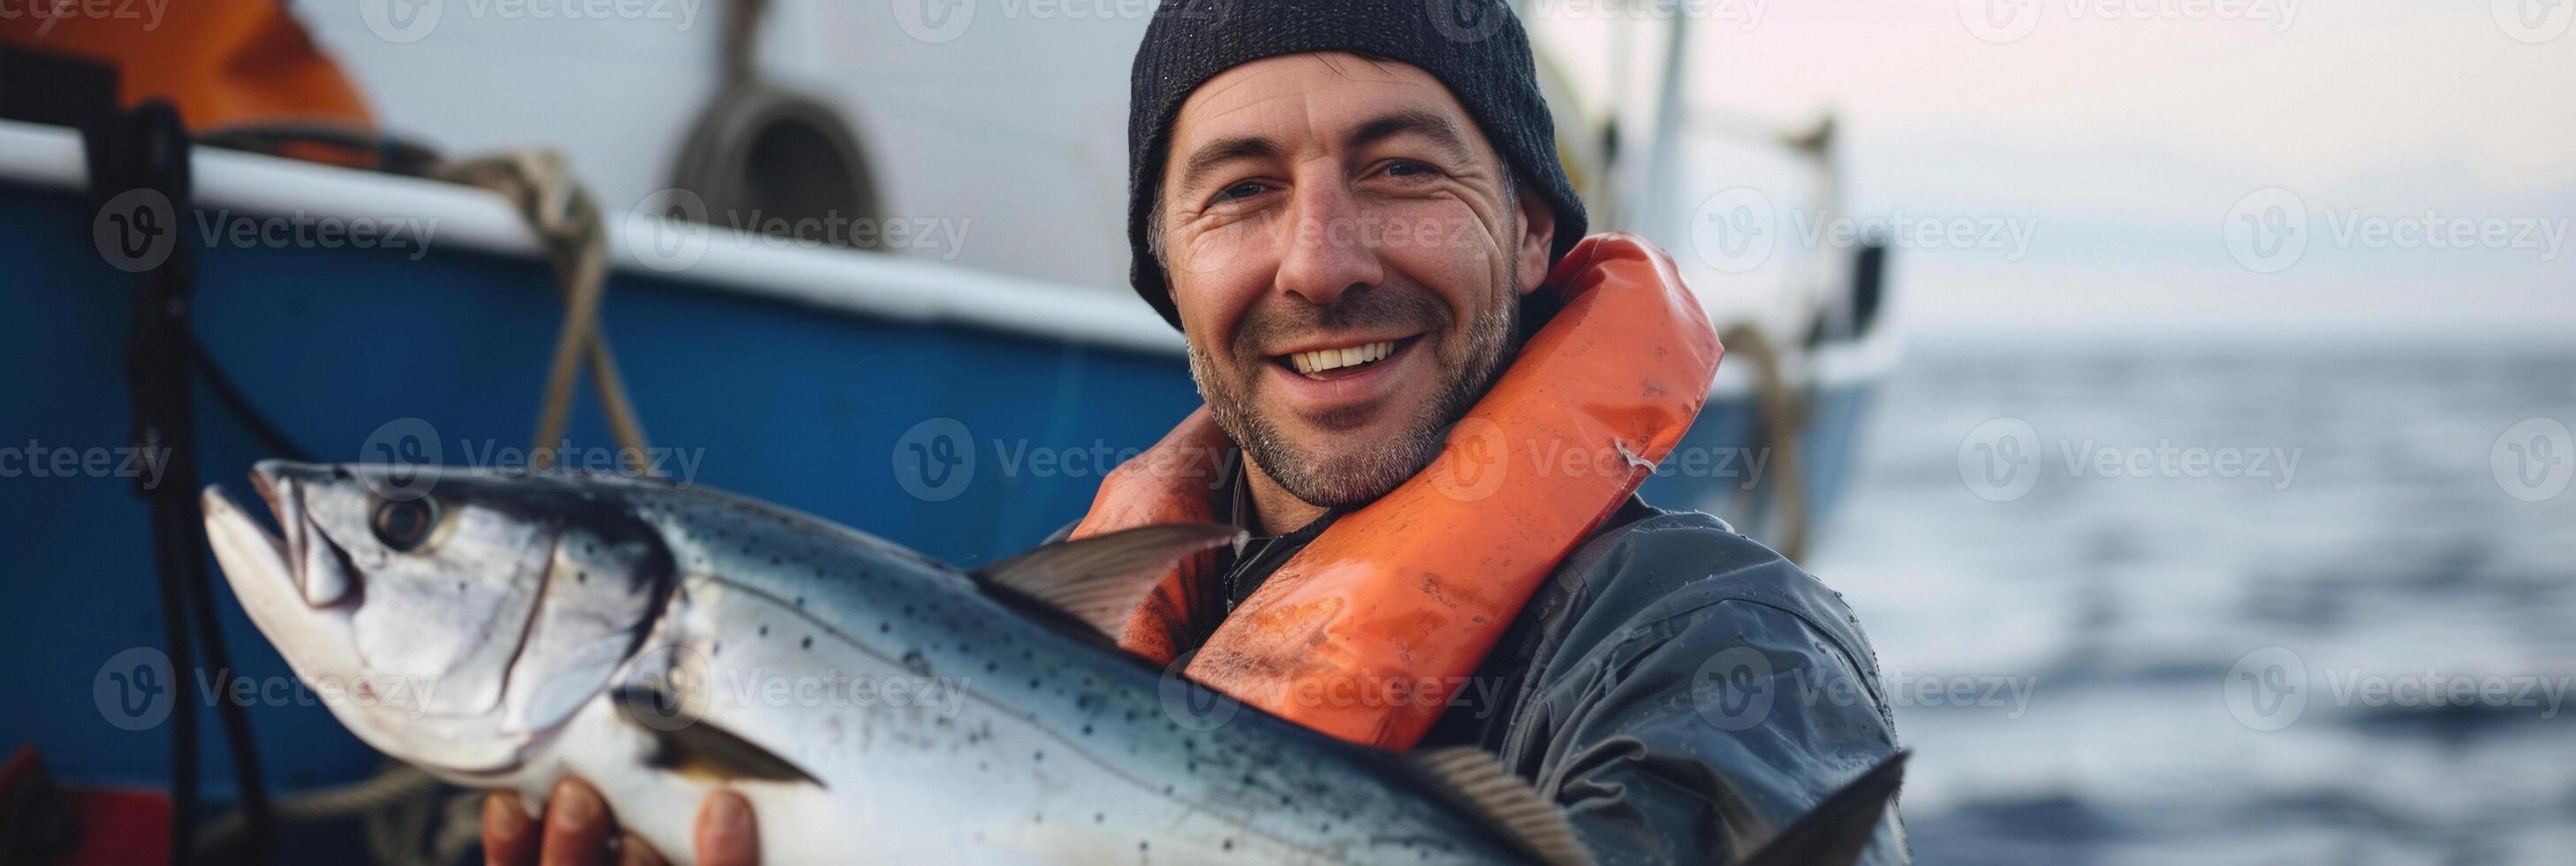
point(1366, 469)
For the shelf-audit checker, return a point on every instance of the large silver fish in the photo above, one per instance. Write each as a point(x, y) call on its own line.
point(502, 630)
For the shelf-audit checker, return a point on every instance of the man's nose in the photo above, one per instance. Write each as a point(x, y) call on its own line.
point(1329, 253)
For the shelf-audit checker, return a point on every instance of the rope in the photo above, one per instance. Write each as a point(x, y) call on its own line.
point(1784, 416)
point(397, 806)
point(567, 220)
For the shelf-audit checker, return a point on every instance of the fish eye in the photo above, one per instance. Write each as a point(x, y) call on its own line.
point(404, 524)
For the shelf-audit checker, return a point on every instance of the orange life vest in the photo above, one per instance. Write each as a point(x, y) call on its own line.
point(1367, 632)
point(222, 63)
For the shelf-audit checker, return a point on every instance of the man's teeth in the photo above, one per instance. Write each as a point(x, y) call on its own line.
point(1321, 360)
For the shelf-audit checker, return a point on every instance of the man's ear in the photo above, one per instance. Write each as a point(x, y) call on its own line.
point(1537, 238)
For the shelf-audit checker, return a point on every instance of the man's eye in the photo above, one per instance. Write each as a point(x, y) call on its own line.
point(1244, 190)
point(1406, 168)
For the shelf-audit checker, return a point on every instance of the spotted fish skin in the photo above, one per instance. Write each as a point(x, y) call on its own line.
point(873, 704)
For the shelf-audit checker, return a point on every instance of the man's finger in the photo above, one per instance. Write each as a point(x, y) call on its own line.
point(509, 835)
point(577, 826)
point(727, 834)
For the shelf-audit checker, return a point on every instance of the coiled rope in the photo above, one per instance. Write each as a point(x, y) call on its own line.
point(567, 221)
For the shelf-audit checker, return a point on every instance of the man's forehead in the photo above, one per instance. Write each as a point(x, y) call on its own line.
point(1269, 93)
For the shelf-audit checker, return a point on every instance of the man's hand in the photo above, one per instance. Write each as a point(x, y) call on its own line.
point(577, 827)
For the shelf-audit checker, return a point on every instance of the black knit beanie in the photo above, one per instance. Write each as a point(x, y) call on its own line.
point(1475, 47)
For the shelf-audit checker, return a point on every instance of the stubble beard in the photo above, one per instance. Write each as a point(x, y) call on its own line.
point(1360, 470)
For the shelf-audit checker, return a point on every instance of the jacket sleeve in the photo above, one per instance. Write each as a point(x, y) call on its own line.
point(1693, 721)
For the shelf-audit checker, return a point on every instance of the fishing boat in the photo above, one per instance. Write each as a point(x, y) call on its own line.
point(959, 389)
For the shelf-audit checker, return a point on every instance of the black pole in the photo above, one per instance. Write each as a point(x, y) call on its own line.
point(139, 188)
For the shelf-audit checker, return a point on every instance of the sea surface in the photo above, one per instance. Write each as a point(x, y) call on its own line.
point(2105, 649)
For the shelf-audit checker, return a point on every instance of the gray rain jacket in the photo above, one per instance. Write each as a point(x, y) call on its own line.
point(1681, 689)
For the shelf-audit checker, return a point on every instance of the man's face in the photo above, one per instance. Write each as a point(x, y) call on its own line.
point(1346, 256)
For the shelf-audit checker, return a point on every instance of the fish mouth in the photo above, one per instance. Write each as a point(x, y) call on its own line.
point(262, 569)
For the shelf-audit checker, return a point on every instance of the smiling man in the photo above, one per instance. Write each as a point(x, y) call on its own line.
point(1354, 213)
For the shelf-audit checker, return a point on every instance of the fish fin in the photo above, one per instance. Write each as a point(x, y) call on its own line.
point(1839, 828)
point(1100, 580)
point(1476, 781)
point(689, 745)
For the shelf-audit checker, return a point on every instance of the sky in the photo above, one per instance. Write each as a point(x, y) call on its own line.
point(2141, 145)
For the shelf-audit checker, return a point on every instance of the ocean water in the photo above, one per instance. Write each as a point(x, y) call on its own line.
point(2109, 641)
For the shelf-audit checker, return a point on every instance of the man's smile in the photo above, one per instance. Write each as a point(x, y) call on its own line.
point(1335, 384)
point(1338, 357)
